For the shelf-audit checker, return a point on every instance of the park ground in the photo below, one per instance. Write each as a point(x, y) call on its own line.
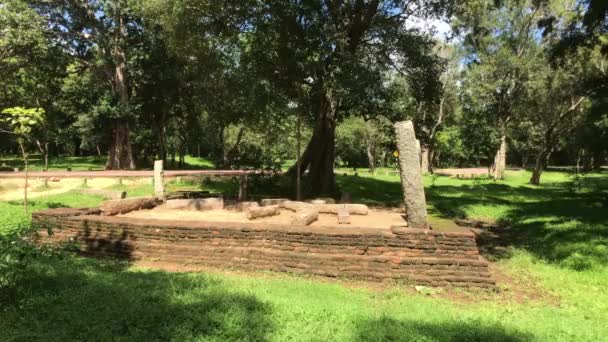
point(548, 245)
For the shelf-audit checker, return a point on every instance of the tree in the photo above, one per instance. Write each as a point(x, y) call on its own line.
point(96, 33)
point(334, 48)
point(21, 122)
point(31, 67)
point(498, 39)
point(559, 102)
point(360, 142)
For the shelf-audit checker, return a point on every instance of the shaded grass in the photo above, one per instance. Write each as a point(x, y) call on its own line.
point(76, 299)
point(562, 221)
point(70, 298)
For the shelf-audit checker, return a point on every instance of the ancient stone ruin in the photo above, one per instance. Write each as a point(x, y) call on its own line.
point(411, 174)
point(319, 238)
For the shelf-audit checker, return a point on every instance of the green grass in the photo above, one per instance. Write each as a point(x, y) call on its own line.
point(95, 163)
point(557, 255)
point(36, 163)
point(69, 299)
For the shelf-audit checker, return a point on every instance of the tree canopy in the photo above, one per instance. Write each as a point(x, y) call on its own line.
point(516, 81)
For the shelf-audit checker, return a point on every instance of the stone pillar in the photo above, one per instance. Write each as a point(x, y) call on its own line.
point(411, 175)
point(159, 180)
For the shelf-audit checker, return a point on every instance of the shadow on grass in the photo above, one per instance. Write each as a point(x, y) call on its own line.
point(388, 329)
point(562, 223)
point(371, 191)
point(75, 299)
point(554, 223)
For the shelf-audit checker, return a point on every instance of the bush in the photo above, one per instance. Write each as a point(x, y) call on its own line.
point(15, 249)
point(15, 253)
point(578, 262)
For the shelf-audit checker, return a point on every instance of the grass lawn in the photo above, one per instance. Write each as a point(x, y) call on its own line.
point(92, 162)
point(551, 245)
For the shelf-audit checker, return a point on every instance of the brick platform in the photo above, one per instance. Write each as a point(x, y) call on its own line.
point(412, 255)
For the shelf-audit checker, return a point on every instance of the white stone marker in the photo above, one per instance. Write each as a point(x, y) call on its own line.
point(159, 180)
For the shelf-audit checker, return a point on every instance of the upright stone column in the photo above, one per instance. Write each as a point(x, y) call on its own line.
point(159, 180)
point(411, 175)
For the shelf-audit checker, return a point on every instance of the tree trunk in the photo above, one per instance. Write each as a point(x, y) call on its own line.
point(25, 161)
point(44, 150)
point(432, 158)
point(370, 148)
point(162, 137)
point(370, 158)
point(500, 159)
point(120, 154)
point(229, 155)
point(182, 155)
point(539, 166)
point(424, 158)
point(319, 154)
point(598, 160)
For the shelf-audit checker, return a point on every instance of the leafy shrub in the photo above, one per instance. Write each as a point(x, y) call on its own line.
point(15, 252)
point(578, 262)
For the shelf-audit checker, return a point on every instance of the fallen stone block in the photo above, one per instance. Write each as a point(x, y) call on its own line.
point(273, 201)
point(305, 217)
point(243, 206)
point(123, 206)
point(323, 200)
point(353, 209)
point(258, 212)
point(296, 205)
point(196, 203)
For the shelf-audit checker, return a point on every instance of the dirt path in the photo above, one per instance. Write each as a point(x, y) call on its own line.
point(464, 171)
point(12, 189)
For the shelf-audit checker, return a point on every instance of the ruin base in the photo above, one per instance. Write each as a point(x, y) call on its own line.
point(404, 254)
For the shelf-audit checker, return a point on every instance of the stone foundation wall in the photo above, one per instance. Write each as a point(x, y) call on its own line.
point(412, 255)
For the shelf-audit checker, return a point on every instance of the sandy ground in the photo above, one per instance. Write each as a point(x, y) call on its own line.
point(12, 189)
point(464, 171)
point(376, 218)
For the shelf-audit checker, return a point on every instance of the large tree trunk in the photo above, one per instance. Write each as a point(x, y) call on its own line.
point(120, 154)
point(228, 156)
point(539, 166)
point(319, 154)
point(500, 159)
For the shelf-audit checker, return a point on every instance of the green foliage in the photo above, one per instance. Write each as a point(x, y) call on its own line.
point(22, 120)
point(357, 137)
